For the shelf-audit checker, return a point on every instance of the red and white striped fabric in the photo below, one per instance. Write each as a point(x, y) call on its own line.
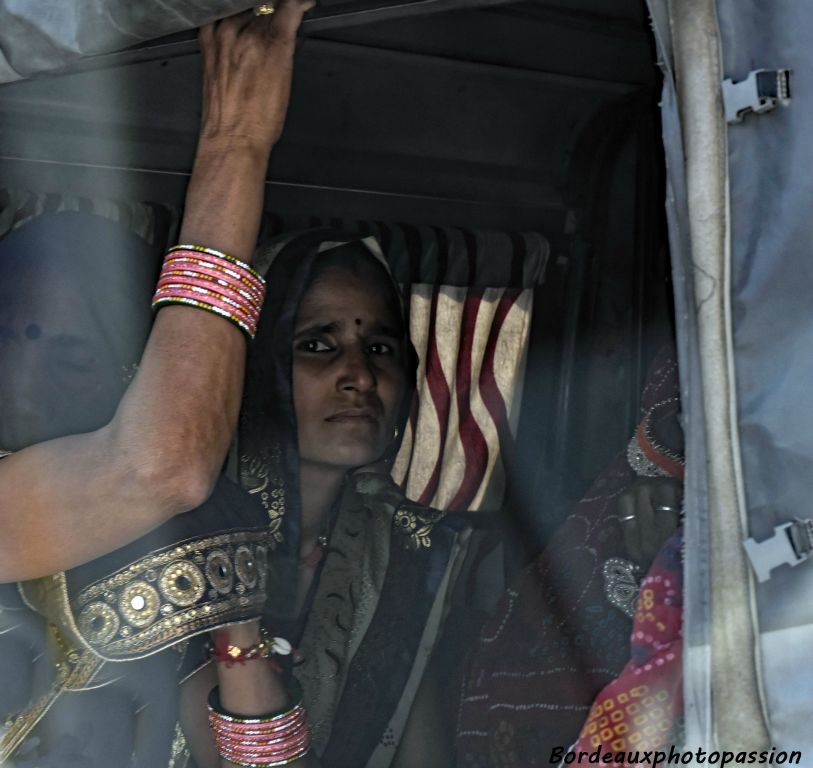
point(472, 344)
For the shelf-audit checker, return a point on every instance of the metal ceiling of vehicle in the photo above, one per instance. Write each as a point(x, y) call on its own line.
point(546, 69)
point(37, 36)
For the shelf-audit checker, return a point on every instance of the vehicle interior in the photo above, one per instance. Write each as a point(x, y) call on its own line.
point(487, 144)
point(520, 117)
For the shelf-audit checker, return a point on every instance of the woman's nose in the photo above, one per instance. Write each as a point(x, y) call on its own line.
point(357, 372)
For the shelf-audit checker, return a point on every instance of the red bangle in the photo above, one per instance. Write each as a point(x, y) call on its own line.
point(220, 650)
point(262, 742)
point(207, 289)
point(188, 261)
point(174, 274)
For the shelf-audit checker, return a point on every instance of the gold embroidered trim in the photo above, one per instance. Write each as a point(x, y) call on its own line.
point(412, 521)
point(101, 623)
point(179, 754)
point(260, 476)
point(172, 594)
point(182, 582)
point(416, 523)
point(73, 673)
point(373, 515)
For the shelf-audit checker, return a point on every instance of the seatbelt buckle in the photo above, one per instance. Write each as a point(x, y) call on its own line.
point(791, 544)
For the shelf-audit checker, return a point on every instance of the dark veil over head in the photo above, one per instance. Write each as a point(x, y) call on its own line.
point(268, 433)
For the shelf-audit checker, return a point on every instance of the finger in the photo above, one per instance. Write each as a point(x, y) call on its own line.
point(208, 50)
point(206, 34)
point(628, 521)
point(302, 5)
point(667, 523)
point(668, 489)
point(245, 19)
point(288, 17)
point(645, 512)
point(227, 29)
point(667, 504)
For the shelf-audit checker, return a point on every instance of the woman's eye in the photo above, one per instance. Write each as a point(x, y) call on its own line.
point(313, 345)
point(381, 348)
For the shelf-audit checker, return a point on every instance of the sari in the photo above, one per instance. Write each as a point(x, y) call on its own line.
point(137, 617)
point(390, 563)
point(642, 709)
point(561, 633)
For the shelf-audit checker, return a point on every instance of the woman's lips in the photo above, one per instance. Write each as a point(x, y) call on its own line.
point(353, 416)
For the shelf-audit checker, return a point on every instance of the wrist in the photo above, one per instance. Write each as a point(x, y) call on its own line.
point(217, 143)
point(239, 634)
point(227, 649)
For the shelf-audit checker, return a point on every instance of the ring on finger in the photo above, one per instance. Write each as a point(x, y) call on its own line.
point(665, 508)
point(266, 9)
point(626, 519)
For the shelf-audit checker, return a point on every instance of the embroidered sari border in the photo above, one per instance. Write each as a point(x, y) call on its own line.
point(171, 594)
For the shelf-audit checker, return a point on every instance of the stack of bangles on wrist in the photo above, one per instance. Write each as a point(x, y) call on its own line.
point(261, 742)
point(201, 277)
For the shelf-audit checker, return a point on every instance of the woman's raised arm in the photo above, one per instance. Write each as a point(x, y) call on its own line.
point(66, 501)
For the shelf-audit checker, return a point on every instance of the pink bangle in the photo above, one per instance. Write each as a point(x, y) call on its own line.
point(210, 288)
point(255, 757)
point(252, 760)
point(211, 276)
point(209, 300)
point(201, 296)
point(202, 249)
point(268, 755)
point(206, 279)
point(273, 726)
point(222, 270)
point(261, 748)
point(277, 735)
point(260, 742)
point(271, 746)
point(194, 300)
point(220, 261)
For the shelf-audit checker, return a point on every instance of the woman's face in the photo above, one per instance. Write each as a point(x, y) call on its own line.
point(56, 376)
point(348, 371)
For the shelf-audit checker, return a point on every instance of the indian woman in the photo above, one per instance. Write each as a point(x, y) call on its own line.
point(191, 373)
point(90, 466)
point(368, 581)
point(129, 539)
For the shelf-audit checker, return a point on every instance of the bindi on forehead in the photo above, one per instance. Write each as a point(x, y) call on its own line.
point(341, 299)
point(33, 331)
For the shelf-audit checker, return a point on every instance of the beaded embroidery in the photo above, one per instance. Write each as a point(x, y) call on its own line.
point(649, 459)
point(260, 476)
point(174, 593)
point(621, 584)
